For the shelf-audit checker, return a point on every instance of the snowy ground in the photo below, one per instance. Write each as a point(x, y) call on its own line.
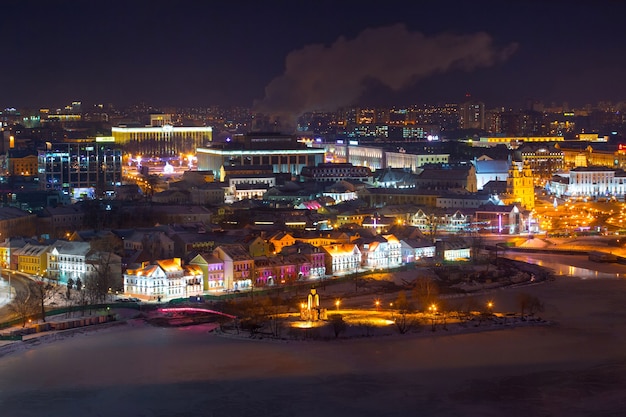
point(576, 367)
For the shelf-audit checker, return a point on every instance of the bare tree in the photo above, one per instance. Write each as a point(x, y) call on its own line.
point(434, 220)
point(404, 316)
point(530, 303)
point(83, 299)
point(425, 292)
point(68, 291)
point(338, 324)
point(105, 275)
point(42, 292)
point(23, 305)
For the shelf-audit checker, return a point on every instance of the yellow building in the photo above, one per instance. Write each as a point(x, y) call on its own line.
point(520, 187)
point(32, 259)
point(593, 155)
point(20, 163)
point(280, 240)
point(516, 139)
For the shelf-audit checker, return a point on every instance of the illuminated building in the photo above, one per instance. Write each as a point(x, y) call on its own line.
point(313, 266)
point(431, 222)
point(212, 269)
point(162, 140)
point(32, 259)
point(342, 258)
point(593, 154)
point(499, 219)
point(380, 251)
point(337, 172)
point(282, 152)
point(164, 279)
point(416, 249)
point(472, 115)
point(83, 170)
point(377, 157)
point(238, 266)
point(512, 141)
point(366, 156)
point(520, 187)
point(247, 182)
point(412, 161)
point(456, 250)
point(544, 159)
point(281, 240)
point(67, 260)
point(22, 163)
point(488, 169)
point(596, 181)
point(278, 270)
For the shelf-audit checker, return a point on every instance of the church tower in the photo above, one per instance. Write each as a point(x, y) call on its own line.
point(520, 186)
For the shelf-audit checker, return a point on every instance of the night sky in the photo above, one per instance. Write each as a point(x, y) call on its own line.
point(294, 56)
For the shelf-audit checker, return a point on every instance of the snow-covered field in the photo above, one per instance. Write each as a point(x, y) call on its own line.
point(576, 367)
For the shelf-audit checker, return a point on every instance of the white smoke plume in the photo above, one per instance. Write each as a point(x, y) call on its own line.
point(324, 78)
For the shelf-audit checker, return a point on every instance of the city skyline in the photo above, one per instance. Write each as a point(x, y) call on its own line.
point(290, 58)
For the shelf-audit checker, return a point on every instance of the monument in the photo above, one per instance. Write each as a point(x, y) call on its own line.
point(311, 311)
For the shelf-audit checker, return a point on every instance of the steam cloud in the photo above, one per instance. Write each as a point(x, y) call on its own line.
point(324, 78)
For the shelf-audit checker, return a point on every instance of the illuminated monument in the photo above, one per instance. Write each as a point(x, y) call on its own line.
point(311, 311)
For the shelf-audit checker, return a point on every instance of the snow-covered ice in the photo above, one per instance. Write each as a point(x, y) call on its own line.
point(575, 367)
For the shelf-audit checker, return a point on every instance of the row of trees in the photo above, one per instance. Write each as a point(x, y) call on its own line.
point(425, 297)
point(31, 302)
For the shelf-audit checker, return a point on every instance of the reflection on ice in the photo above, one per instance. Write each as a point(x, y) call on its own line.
point(561, 265)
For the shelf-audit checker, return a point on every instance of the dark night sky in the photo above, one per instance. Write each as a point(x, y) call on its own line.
point(187, 53)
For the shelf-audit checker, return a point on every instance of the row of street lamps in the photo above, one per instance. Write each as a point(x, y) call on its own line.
point(432, 308)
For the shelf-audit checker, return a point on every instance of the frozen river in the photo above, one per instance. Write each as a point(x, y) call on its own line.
point(575, 367)
point(578, 266)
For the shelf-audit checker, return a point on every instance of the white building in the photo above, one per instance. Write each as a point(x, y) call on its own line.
point(415, 249)
point(342, 258)
point(452, 221)
point(596, 181)
point(405, 160)
point(165, 279)
point(380, 252)
point(488, 169)
point(67, 260)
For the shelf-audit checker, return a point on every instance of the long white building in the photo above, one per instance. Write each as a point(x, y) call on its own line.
point(592, 181)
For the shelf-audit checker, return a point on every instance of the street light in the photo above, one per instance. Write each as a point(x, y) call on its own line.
point(337, 302)
point(433, 312)
point(377, 302)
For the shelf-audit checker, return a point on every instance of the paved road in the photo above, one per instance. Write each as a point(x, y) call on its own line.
point(18, 283)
